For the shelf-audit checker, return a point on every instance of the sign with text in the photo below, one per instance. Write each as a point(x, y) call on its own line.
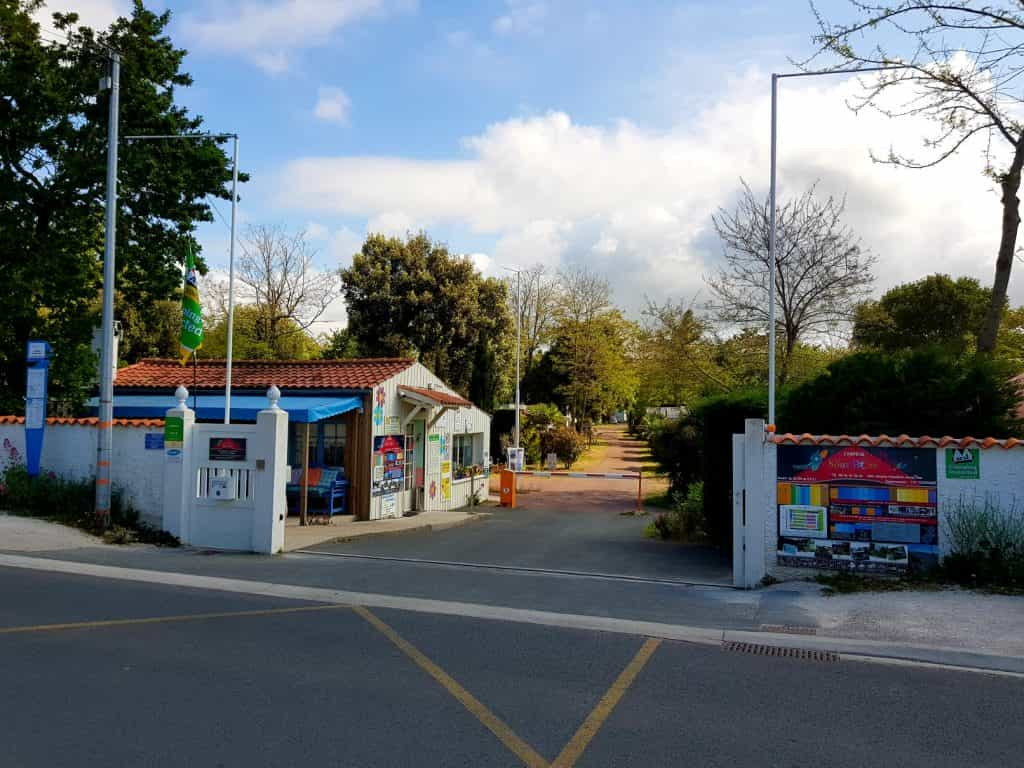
point(865, 509)
point(227, 449)
point(963, 463)
point(388, 464)
point(37, 360)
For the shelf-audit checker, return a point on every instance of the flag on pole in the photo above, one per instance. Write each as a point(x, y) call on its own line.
point(191, 312)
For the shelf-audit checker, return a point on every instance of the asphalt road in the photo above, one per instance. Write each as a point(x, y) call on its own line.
point(583, 537)
point(168, 676)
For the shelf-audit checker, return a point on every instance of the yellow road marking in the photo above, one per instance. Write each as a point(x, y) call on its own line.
point(165, 619)
point(574, 749)
point(520, 748)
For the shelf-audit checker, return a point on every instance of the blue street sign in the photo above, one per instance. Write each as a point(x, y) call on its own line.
point(37, 358)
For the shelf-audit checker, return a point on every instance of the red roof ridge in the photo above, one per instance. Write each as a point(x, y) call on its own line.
point(316, 361)
point(924, 441)
point(86, 421)
point(439, 395)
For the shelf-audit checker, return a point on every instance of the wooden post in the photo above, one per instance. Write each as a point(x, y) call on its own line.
point(303, 504)
point(639, 491)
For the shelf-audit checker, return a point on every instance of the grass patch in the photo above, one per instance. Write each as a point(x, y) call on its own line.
point(851, 583)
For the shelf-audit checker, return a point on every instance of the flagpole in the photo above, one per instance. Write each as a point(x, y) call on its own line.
point(195, 380)
point(231, 282)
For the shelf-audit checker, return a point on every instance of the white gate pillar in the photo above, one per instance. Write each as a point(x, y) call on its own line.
point(178, 490)
point(759, 500)
point(271, 478)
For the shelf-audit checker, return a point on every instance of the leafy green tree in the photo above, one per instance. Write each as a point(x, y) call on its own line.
point(936, 310)
point(339, 345)
point(413, 297)
point(251, 341)
point(151, 331)
point(53, 131)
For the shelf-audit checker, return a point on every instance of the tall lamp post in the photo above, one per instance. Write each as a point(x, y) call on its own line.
point(518, 355)
point(772, 261)
point(231, 250)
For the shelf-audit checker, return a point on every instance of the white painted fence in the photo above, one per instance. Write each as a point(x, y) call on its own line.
point(221, 501)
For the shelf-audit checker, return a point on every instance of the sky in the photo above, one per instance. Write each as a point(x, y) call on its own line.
point(562, 132)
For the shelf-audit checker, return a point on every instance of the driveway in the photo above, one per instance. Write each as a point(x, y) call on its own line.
point(562, 524)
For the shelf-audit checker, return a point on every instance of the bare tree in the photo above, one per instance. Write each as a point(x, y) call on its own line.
point(278, 276)
point(538, 300)
point(821, 270)
point(583, 295)
point(962, 66)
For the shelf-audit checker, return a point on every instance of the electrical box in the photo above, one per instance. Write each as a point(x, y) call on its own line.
point(222, 488)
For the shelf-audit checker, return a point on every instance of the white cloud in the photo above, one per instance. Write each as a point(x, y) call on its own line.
point(332, 105)
point(97, 14)
point(637, 204)
point(269, 32)
point(344, 245)
point(315, 231)
point(521, 16)
point(480, 260)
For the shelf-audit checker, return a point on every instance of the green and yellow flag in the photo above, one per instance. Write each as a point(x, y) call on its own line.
point(191, 312)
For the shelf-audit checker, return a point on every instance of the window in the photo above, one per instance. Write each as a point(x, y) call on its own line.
point(462, 455)
point(326, 444)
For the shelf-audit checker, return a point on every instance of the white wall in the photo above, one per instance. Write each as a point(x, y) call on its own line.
point(69, 450)
point(1001, 479)
point(452, 422)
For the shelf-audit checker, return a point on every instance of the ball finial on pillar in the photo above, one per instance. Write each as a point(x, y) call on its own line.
point(273, 395)
point(181, 395)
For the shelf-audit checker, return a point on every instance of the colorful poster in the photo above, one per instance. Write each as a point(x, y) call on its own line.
point(446, 488)
point(870, 510)
point(227, 449)
point(388, 464)
point(378, 407)
point(446, 469)
point(963, 464)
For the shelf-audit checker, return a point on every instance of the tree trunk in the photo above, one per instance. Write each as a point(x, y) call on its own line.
point(1007, 248)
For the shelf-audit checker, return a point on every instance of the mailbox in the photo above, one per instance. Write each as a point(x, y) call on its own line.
point(222, 488)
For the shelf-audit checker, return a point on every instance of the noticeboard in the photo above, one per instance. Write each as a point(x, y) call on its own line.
point(227, 449)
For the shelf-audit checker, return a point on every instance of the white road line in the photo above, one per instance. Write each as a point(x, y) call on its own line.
point(861, 650)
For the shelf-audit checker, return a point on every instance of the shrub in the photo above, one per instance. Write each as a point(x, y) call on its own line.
point(688, 514)
point(920, 392)
point(564, 442)
point(986, 543)
point(721, 417)
point(72, 502)
point(678, 447)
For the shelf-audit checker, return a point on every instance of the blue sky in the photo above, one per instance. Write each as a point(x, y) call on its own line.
point(552, 131)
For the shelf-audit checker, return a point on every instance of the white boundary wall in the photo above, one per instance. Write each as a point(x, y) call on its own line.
point(69, 450)
point(755, 506)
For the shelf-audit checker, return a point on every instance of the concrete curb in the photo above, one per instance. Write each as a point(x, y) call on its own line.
point(870, 651)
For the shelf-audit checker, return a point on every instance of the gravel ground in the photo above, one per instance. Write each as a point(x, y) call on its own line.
point(25, 534)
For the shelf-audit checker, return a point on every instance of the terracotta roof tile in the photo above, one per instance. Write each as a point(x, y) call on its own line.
point(260, 374)
point(900, 441)
point(443, 398)
point(89, 421)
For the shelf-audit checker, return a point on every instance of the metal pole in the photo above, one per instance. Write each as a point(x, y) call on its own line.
point(304, 504)
point(231, 282)
point(519, 313)
point(639, 491)
point(104, 429)
point(771, 262)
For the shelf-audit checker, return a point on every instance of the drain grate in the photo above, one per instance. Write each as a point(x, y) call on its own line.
point(789, 629)
point(776, 651)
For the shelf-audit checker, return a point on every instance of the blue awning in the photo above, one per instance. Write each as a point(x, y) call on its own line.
point(303, 410)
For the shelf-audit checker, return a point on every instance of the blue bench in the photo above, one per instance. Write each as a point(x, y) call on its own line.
point(328, 488)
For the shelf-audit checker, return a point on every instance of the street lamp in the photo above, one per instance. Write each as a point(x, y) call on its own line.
point(231, 256)
point(518, 334)
point(772, 268)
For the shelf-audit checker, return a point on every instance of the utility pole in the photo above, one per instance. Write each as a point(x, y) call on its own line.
point(105, 427)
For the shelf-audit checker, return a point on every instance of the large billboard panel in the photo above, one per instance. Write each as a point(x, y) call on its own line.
point(865, 509)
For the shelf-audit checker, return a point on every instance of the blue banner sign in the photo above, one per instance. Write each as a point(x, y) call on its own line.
point(37, 358)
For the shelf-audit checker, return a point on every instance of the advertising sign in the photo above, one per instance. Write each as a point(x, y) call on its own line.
point(388, 464)
point(963, 463)
point(37, 359)
point(446, 488)
point(154, 441)
point(389, 505)
point(871, 510)
point(227, 449)
point(174, 429)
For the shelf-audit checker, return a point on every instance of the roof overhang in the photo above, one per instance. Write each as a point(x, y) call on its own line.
point(301, 410)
